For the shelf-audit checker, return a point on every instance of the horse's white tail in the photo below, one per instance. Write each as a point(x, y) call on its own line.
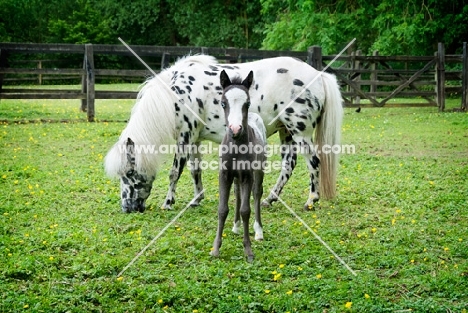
point(328, 133)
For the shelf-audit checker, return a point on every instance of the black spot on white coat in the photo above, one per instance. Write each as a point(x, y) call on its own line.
point(210, 73)
point(298, 82)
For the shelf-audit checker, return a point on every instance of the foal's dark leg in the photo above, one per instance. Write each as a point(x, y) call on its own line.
point(225, 183)
point(195, 159)
point(289, 158)
point(237, 221)
point(257, 191)
point(245, 186)
point(177, 168)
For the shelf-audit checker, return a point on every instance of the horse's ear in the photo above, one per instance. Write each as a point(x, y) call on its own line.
point(248, 80)
point(130, 150)
point(224, 79)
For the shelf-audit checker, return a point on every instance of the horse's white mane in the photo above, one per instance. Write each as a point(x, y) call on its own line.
point(152, 122)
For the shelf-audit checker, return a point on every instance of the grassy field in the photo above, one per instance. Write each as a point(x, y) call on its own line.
point(400, 222)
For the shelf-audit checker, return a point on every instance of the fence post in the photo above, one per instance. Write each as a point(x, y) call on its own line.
point(357, 66)
point(314, 57)
point(3, 63)
point(84, 86)
point(440, 76)
point(374, 77)
point(90, 80)
point(165, 60)
point(464, 104)
point(39, 77)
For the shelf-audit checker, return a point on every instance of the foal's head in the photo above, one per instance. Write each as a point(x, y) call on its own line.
point(235, 102)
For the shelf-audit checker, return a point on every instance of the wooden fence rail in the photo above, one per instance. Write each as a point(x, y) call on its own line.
point(373, 80)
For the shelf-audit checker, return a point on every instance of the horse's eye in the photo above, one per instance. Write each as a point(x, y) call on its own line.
point(223, 104)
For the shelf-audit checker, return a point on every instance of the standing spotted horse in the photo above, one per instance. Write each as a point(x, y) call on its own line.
point(292, 98)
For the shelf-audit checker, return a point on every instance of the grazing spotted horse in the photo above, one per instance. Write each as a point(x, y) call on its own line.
point(181, 106)
point(240, 164)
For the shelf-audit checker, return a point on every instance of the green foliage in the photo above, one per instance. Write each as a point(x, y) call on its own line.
point(218, 23)
point(84, 25)
point(400, 221)
point(392, 27)
point(155, 22)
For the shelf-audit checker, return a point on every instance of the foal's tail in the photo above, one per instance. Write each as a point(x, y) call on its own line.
point(328, 134)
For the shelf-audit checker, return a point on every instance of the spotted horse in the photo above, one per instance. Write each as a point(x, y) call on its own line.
point(181, 106)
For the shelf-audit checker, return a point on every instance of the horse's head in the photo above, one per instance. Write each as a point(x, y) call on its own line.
point(135, 187)
point(235, 102)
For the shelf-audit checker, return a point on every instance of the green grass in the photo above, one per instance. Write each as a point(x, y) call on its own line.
point(400, 221)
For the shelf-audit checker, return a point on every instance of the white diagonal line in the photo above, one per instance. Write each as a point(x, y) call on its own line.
point(315, 235)
point(164, 83)
point(313, 80)
point(159, 235)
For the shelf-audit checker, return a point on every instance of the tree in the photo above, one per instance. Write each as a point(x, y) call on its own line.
point(223, 23)
point(390, 26)
point(84, 25)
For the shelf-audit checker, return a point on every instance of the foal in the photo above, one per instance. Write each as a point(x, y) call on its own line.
point(242, 158)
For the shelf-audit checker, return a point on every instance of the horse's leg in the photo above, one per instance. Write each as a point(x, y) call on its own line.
point(225, 183)
point(237, 221)
point(289, 158)
point(180, 158)
point(245, 186)
point(257, 195)
point(195, 159)
point(312, 162)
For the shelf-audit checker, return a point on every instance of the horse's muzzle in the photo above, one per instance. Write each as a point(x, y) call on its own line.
point(129, 206)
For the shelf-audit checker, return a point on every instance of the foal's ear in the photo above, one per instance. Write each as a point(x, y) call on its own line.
point(224, 79)
point(248, 80)
point(130, 150)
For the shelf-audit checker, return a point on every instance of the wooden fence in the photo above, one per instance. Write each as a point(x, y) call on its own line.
point(365, 80)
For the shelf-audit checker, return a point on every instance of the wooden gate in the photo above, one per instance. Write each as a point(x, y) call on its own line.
point(376, 80)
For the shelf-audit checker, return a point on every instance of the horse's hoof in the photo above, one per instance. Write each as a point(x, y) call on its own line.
point(268, 202)
point(166, 207)
point(196, 202)
point(258, 231)
point(250, 258)
point(236, 228)
point(214, 253)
